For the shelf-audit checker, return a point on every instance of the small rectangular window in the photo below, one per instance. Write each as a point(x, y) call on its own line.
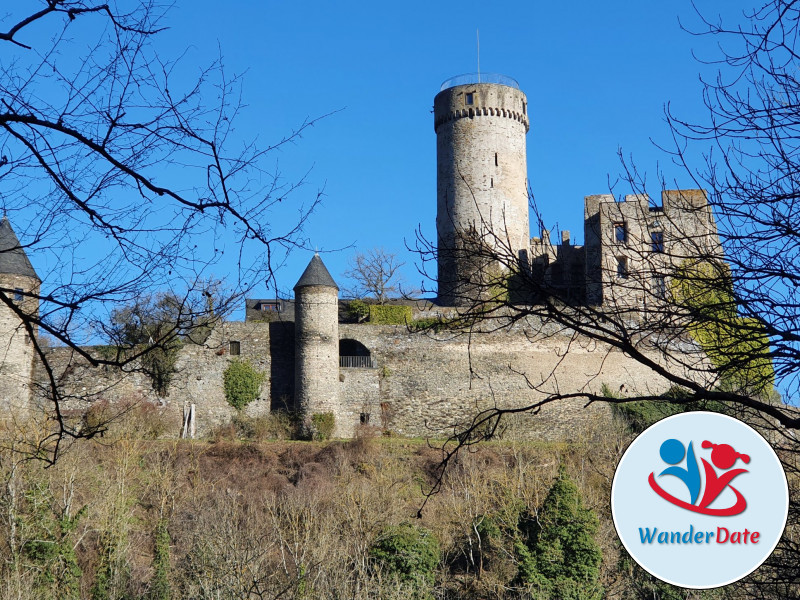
point(235, 348)
point(622, 267)
point(270, 307)
point(364, 418)
point(657, 238)
point(620, 233)
point(18, 294)
point(470, 99)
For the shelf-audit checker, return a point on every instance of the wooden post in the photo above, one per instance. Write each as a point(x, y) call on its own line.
point(185, 424)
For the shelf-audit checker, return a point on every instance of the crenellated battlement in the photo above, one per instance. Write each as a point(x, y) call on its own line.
point(482, 111)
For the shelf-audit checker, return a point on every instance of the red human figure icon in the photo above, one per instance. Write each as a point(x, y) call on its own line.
point(724, 457)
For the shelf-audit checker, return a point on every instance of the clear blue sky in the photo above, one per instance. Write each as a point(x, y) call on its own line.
point(597, 77)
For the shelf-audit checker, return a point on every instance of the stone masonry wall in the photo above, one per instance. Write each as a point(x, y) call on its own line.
point(317, 351)
point(424, 386)
point(481, 175)
point(198, 378)
point(683, 221)
point(16, 348)
point(421, 385)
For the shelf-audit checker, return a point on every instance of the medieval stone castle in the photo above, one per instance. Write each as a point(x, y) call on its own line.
point(389, 376)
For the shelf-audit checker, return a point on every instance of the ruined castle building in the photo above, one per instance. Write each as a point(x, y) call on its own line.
point(19, 290)
point(632, 246)
point(316, 367)
point(482, 198)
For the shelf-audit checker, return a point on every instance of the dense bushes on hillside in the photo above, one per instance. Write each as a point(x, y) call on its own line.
point(125, 517)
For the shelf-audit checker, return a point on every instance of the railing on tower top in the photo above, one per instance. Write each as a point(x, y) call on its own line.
point(468, 78)
point(358, 362)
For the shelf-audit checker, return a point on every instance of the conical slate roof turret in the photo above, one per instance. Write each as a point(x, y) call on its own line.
point(13, 259)
point(316, 274)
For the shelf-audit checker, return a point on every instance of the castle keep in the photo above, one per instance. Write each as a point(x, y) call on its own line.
point(389, 376)
point(482, 177)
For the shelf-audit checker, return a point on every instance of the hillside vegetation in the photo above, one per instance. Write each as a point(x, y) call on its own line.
point(127, 517)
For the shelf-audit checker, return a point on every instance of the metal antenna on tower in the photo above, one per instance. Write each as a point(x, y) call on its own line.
point(478, 36)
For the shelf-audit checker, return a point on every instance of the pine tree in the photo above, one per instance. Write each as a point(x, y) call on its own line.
point(563, 559)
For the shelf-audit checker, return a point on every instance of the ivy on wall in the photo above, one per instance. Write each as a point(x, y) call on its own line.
point(242, 383)
point(737, 346)
point(382, 314)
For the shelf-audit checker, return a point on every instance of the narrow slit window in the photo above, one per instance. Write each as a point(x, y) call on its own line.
point(235, 348)
point(524, 108)
point(659, 287)
point(622, 267)
point(491, 182)
point(470, 99)
point(495, 159)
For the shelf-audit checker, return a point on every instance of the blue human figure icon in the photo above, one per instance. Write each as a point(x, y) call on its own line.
point(672, 452)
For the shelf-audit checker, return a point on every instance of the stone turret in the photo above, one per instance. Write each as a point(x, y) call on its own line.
point(19, 291)
point(316, 342)
point(482, 186)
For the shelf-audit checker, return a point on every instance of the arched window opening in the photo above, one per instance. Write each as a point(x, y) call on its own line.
point(355, 355)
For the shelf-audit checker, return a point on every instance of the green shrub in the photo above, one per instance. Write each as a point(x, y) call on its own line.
point(324, 425)
point(358, 310)
point(639, 415)
point(50, 548)
point(409, 553)
point(160, 583)
point(382, 314)
point(242, 383)
point(435, 324)
point(277, 425)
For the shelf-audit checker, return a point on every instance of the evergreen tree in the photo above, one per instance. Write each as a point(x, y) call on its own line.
point(560, 556)
point(409, 553)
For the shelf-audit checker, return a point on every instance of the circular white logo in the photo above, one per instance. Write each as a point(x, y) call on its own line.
point(699, 500)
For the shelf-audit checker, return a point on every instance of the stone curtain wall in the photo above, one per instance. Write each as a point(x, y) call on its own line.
point(425, 387)
point(420, 387)
point(198, 378)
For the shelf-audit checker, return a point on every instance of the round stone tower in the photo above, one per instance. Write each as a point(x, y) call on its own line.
point(482, 181)
point(316, 335)
point(19, 286)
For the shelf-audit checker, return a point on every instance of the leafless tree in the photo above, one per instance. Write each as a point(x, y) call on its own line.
point(123, 175)
point(375, 273)
point(718, 321)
